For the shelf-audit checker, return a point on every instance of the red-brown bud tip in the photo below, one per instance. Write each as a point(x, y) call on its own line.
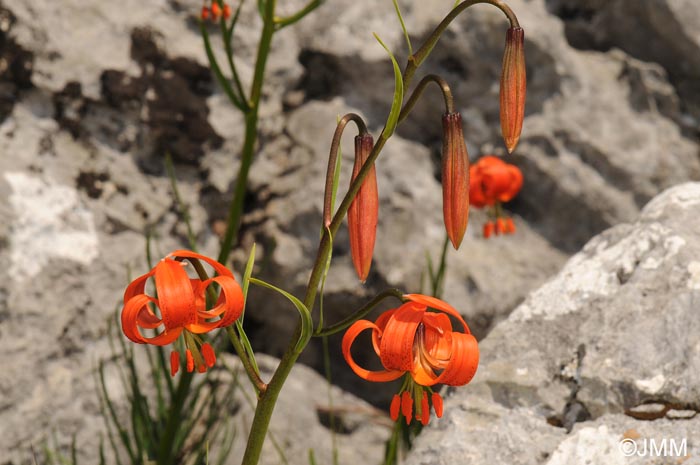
point(455, 178)
point(513, 86)
point(364, 211)
point(227, 11)
point(205, 13)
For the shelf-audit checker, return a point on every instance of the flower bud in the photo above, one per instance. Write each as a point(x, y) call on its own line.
point(205, 13)
point(513, 83)
point(364, 211)
point(455, 178)
point(227, 11)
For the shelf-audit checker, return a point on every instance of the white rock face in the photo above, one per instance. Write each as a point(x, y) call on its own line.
point(50, 223)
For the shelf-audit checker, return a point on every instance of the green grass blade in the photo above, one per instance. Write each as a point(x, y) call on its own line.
point(397, 101)
point(403, 27)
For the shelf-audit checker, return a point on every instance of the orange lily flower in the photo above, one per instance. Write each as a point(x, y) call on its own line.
point(422, 345)
point(491, 183)
point(181, 302)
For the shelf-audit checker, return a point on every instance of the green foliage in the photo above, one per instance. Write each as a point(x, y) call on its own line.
point(393, 118)
point(170, 421)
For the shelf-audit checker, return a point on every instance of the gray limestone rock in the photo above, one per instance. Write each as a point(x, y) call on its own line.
point(615, 332)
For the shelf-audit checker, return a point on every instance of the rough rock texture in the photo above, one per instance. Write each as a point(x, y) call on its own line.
point(615, 333)
point(93, 93)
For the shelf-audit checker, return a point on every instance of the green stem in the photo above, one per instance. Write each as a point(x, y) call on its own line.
point(362, 312)
point(415, 60)
point(176, 403)
point(332, 157)
point(268, 399)
point(251, 134)
point(250, 370)
point(266, 404)
point(243, 355)
point(288, 20)
point(227, 37)
point(418, 91)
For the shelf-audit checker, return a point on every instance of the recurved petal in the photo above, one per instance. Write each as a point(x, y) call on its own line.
point(130, 313)
point(463, 363)
point(138, 285)
point(437, 337)
point(477, 197)
point(230, 303)
point(396, 348)
point(348, 339)
point(515, 184)
point(381, 322)
point(437, 304)
point(218, 267)
point(135, 307)
point(497, 181)
point(175, 294)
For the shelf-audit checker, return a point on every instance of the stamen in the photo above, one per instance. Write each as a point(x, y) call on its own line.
point(174, 362)
point(395, 406)
point(190, 361)
point(208, 354)
point(407, 406)
point(437, 404)
point(425, 409)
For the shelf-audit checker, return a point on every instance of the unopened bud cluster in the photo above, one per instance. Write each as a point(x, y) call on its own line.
point(215, 11)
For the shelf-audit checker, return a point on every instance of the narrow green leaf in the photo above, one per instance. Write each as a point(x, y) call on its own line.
point(183, 210)
point(222, 80)
point(239, 322)
point(323, 280)
point(393, 118)
point(336, 174)
point(246, 278)
point(306, 323)
point(403, 27)
point(289, 20)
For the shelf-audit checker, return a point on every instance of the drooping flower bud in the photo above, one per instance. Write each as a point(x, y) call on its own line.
point(513, 84)
point(364, 210)
point(455, 178)
point(205, 13)
point(227, 11)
